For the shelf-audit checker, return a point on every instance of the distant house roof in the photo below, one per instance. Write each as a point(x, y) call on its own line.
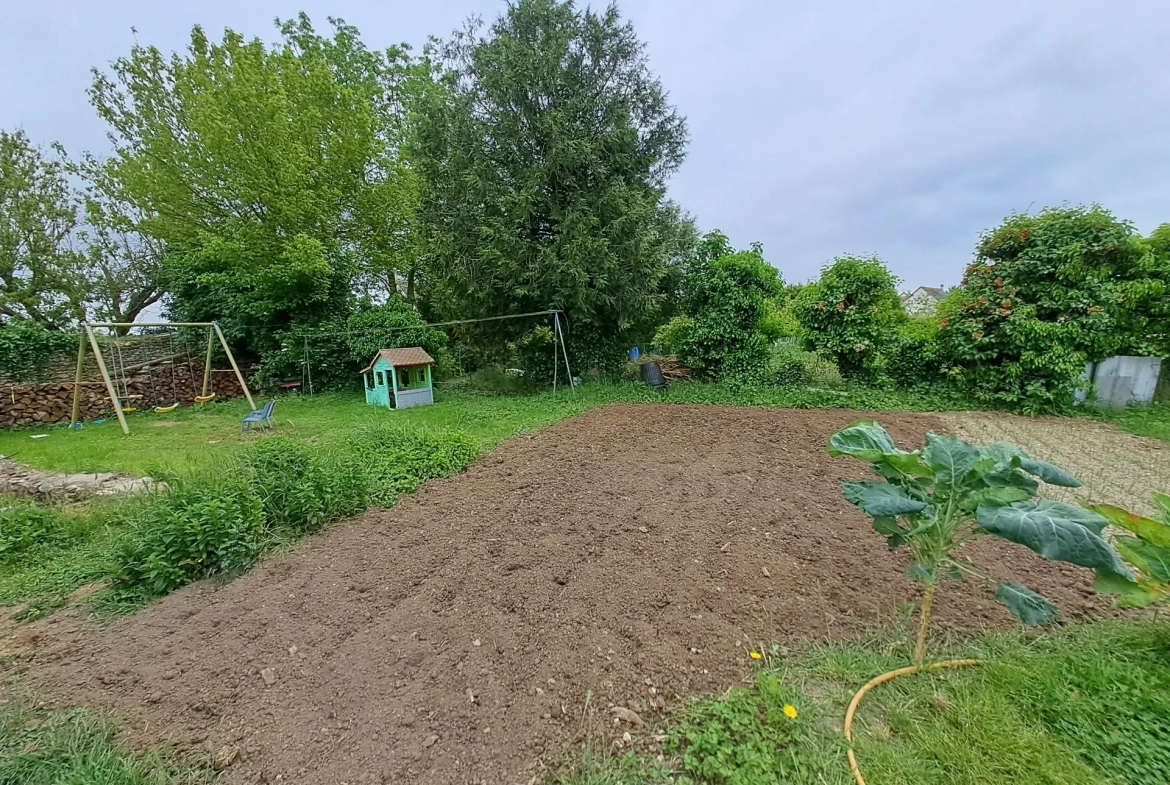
point(400, 358)
point(934, 292)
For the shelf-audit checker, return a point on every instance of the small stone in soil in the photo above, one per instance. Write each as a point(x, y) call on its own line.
point(430, 740)
point(269, 676)
point(168, 675)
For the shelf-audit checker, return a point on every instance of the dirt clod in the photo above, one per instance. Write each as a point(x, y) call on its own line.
point(269, 676)
point(626, 715)
point(225, 757)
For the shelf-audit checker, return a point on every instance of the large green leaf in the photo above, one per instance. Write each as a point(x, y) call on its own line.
point(888, 527)
point(881, 500)
point(1048, 528)
point(866, 440)
point(1032, 608)
point(1152, 560)
point(1148, 529)
point(994, 497)
point(1053, 475)
point(950, 458)
point(1000, 452)
point(1133, 594)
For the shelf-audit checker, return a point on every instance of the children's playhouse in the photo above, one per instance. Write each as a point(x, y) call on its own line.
point(399, 378)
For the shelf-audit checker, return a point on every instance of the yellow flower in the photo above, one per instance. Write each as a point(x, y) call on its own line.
point(755, 655)
point(790, 711)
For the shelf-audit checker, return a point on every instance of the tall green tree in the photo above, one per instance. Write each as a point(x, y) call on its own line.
point(272, 174)
point(850, 314)
point(39, 265)
point(544, 160)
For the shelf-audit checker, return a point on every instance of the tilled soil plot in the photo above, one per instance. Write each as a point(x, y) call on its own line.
point(634, 552)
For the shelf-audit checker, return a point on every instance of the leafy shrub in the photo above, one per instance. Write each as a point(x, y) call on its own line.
point(729, 303)
point(189, 533)
point(788, 370)
point(744, 738)
point(303, 487)
point(850, 315)
point(949, 492)
point(912, 358)
point(24, 526)
point(1046, 293)
point(397, 460)
point(26, 347)
point(533, 354)
point(670, 337)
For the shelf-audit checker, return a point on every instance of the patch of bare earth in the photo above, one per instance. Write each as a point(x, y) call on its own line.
point(636, 553)
point(1116, 467)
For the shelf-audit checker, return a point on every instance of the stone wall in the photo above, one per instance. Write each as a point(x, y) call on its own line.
point(41, 404)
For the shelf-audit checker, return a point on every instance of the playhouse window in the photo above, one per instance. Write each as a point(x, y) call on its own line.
point(405, 376)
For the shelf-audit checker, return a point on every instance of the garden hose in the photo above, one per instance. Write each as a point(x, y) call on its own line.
point(853, 704)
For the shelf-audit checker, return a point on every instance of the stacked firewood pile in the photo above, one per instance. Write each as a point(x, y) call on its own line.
point(42, 404)
point(672, 368)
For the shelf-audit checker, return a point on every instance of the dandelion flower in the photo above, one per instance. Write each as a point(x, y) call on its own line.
point(790, 711)
point(755, 655)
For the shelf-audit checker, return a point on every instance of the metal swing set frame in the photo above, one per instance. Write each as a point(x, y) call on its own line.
point(88, 336)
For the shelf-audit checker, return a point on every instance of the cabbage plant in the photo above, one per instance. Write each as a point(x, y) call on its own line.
point(1146, 547)
point(935, 499)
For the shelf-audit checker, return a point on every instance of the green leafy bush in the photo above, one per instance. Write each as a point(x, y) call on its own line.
point(532, 352)
point(729, 303)
point(1046, 293)
point(25, 526)
point(302, 487)
point(745, 738)
point(851, 314)
point(26, 347)
point(913, 358)
point(670, 337)
point(937, 498)
point(788, 370)
point(189, 533)
point(397, 460)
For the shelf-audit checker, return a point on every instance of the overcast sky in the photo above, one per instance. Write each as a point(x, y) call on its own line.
point(819, 128)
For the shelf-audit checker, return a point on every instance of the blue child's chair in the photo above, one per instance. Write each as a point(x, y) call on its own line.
point(261, 417)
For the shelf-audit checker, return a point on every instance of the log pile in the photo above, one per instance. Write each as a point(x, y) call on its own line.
point(42, 404)
point(672, 368)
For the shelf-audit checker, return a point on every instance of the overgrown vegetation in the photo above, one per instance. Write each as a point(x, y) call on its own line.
point(1086, 705)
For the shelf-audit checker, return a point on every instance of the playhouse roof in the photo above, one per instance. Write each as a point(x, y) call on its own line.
point(399, 358)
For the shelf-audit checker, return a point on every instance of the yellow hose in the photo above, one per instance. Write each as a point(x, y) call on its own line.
point(853, 704)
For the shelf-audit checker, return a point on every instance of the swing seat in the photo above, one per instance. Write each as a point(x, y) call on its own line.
point(127, 398)
point(165, 409)
point(128, 409)
point(204, 398)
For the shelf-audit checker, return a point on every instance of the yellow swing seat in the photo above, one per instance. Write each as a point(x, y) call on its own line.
point(204, 398)
point(165, 409)
point(128, 409)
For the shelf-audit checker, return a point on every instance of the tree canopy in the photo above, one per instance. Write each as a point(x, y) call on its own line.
point(544, 161)
point(39, 266)
point(271, 173)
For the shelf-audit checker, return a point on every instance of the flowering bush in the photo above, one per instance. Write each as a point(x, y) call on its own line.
point(850, 315)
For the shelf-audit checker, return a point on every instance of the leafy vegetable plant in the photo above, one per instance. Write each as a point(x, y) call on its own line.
point(948, 493)
point(1147, 551)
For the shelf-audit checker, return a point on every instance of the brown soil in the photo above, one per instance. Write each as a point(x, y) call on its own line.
point(635, 552)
